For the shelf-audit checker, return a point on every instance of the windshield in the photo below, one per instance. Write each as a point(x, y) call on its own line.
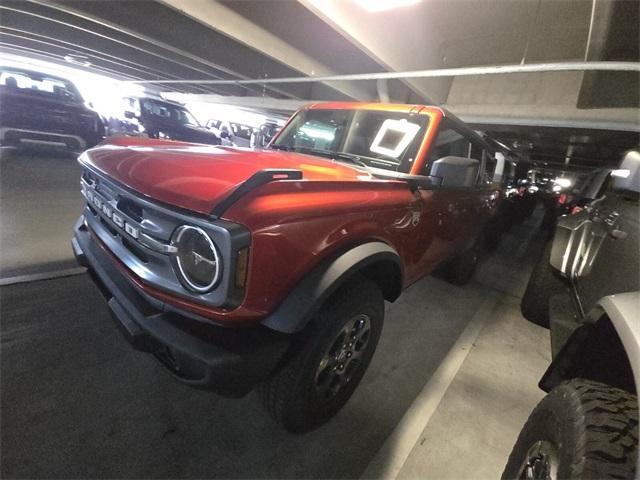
point(172, 113)
point(39, 85)
point(380, 139)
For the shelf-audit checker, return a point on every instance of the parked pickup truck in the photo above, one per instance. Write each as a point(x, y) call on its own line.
point(240, 268)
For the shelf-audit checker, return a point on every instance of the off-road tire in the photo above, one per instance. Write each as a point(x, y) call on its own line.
point(543, 284)
point(593, 426)
point(290, 396)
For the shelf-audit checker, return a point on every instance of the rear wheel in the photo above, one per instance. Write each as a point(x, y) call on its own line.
point(328, 360)
point(461, 269)
point(581, 430)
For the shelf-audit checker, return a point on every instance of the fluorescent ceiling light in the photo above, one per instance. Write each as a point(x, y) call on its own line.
point(563, 182)
point(382, 5)
point(621, 173)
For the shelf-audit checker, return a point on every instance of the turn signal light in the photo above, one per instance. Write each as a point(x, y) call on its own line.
point(242, 264)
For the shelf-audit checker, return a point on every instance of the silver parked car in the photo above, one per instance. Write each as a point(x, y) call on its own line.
point(587, 425)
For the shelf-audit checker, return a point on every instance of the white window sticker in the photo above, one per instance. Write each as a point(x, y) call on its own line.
point(393, 137)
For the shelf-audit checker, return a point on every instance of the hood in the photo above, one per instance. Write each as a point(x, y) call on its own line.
point(197, 177)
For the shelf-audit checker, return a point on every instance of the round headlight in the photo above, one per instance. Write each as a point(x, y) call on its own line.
point(197, 261)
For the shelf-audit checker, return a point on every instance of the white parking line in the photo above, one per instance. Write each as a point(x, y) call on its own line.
point(42, 276)
point(394, 452)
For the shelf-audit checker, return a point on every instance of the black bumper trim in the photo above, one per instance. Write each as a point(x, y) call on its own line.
point(230, 361)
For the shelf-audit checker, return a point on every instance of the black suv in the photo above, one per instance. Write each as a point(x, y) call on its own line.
point(43, 110)
point(586, 290)
point(159, 118)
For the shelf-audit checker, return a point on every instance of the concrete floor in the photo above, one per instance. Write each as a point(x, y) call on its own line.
point(39, 203)
point(78, 402)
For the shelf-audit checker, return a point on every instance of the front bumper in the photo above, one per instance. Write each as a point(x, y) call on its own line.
point(21, 137)
point(230, 361)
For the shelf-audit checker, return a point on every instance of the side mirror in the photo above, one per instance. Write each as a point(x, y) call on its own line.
point(627, 176)
point(129, 115)
point(225, 134)
point(457, 172)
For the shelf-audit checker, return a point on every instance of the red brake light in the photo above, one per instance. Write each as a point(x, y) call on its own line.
point(562, 199)
point(576, 209)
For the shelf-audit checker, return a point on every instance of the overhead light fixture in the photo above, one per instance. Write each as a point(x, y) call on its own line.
point(383, 5)
point(78, 60)
point(563, 182)
point(621, 173)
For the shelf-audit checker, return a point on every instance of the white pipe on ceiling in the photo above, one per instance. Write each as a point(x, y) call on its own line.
point(433, 73)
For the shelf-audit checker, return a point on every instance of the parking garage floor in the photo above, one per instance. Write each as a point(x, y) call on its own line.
point(39, 204)
point(78, 402)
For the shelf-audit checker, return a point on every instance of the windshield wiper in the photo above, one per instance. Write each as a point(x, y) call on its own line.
point(338, 156)
point(281, 147)
point(349, 157)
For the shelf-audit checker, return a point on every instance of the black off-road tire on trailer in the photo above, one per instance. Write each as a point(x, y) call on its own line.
point(543, 284)
point(332, 353)
point(582, 429)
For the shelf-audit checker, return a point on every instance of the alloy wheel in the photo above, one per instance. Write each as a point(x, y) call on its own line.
point(541, 462)
point(344, 356)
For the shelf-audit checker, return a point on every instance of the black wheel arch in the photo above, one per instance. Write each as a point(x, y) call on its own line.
point(594, 351)
point(375, 260)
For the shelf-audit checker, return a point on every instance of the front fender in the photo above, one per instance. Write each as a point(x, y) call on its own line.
point(622, 309)
point(307, 297)
point(605, 348)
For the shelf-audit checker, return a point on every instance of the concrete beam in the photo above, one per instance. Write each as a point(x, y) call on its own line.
point(224, 20)
point(559, 116)
point(255, 103)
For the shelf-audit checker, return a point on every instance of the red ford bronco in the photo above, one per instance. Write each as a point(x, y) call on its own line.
point(239, 268)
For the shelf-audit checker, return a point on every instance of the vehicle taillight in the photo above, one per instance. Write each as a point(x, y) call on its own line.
point(562, 199)
point(576, 209)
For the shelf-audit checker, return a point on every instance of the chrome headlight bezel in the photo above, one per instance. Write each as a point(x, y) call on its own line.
point(178, 266)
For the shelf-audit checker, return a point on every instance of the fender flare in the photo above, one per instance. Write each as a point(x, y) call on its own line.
point(304, 301)
point(620, 312)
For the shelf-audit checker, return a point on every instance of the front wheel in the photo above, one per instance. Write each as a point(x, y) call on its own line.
point(328, 360)
point(581, 430)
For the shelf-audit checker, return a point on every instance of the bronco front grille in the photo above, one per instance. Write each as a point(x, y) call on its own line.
point(138, 232)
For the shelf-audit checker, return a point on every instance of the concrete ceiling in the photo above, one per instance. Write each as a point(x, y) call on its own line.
point(155, 40)
point(209, 39)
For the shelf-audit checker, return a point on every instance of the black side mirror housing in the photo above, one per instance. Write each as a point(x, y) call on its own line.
point(129, 115)
point(456, 172)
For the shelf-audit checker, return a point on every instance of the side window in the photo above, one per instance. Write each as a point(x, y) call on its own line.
point(489, 167)
point(448, 142)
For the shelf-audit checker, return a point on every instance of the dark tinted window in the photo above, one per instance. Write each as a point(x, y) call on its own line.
point(449, 143)
point(168, 112)
point(39, 85)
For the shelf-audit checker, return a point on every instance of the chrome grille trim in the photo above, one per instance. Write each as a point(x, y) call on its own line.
point(126, 224)
point(154, 232)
